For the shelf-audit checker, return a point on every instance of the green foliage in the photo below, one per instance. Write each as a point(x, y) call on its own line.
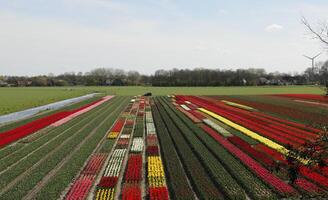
point(193, 166)
point(175, 174)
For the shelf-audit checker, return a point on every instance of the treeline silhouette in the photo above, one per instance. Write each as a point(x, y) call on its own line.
point(173, 77)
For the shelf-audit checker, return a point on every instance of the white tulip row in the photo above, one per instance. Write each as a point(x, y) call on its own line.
point(216, 127)
point(137, 144)
point(127, 136)
point(114, 165)
point(149, 117)
point(150, 128)
point(185, 107)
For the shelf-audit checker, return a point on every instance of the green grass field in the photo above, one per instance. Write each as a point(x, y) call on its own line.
point(15, 99)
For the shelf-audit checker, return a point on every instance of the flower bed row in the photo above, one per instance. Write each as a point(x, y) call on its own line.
point(80, 188)
point(156, 176)
point(118, 125)
point(137, 145)
point(189, 115)
point(313, 97)
point(131, 189)
point(157, 188)
point(152, 150)
point(134, 168)
point(131, 192)
point(159, 193)
point(244, 146)
point(217, 127)
point(29, 128)
point(114, 164)
point(105, 194)
point(82, 110)
point(94, 164)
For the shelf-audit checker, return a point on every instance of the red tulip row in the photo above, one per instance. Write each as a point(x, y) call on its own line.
point(80, 188)
point(131, 192)
point(118, 125)
point(29, 128)
point(313, 97)
point(260, 171)
point(158, 193)
point(260, 126)
point(133, 170)
point(307, 186)
point(246, 147)
point(108, 181)
point(270, 152)
point(152, 151)
point(318, 178)
point(152, 140)
point(122, 143)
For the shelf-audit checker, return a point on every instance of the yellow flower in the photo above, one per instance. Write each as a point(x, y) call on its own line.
point(237, 105)
point(251, 134)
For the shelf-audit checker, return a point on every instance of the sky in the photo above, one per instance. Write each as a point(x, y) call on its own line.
point(46, 36)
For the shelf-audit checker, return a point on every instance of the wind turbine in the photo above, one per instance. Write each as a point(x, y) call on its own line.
point(312, 59)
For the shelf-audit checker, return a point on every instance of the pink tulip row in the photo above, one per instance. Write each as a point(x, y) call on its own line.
point(80, 112)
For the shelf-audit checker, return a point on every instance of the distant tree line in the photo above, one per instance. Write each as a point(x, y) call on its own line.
point(174, 77)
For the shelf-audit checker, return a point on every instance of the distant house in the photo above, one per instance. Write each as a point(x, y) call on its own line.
point(3, 83)
point(263, 81)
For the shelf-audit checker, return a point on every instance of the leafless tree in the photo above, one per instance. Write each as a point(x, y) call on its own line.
point(320, 32)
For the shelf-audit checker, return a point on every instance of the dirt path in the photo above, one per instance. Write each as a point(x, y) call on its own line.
point(21, 176)
point(45, 179)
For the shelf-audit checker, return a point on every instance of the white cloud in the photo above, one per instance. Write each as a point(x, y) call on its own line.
point(274, 28)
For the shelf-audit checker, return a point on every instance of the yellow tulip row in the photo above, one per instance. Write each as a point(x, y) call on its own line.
point(105, 194)
point(251, 134)
point(156, 175)
point(112, 135)
point(233, 104)
point(246, 131)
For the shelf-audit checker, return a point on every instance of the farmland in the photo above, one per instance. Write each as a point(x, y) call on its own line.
point(165, 147)
point(16, 99)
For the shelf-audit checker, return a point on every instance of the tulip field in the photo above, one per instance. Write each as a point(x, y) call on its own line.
point(165, 147)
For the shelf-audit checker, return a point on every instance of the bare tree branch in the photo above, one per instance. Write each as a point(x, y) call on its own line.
point(322, 34)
